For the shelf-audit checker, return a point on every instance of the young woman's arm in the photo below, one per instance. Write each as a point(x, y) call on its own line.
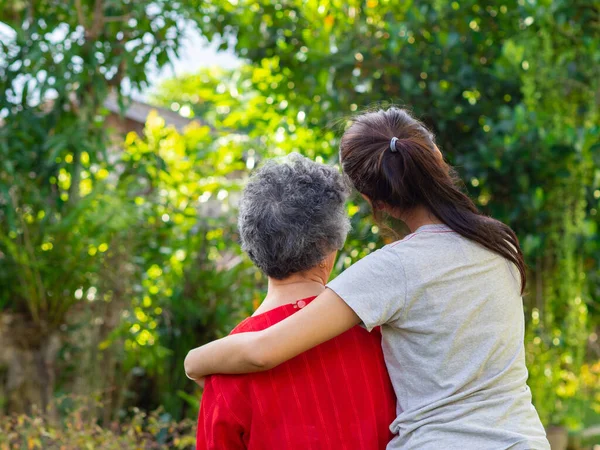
point(321, 320)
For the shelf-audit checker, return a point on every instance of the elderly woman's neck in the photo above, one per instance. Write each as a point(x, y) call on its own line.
point(291, 289)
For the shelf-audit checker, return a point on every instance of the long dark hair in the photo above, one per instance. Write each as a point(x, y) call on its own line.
point(415, 174)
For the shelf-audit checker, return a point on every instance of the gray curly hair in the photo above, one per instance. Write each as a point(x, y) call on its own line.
point(292, 215)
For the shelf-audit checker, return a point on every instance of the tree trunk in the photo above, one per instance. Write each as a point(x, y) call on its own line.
point(27, 364)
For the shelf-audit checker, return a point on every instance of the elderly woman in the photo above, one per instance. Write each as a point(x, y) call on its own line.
point(335, 396)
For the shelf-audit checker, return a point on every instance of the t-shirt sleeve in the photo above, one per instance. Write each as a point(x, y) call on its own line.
point(374, 287)
point(219, 426)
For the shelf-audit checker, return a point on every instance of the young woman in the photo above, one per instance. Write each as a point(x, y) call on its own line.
point(447, 297)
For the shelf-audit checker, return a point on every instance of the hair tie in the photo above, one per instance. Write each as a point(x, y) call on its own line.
point(393, 145)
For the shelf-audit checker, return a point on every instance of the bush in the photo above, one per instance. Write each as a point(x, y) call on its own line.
point(76, 428)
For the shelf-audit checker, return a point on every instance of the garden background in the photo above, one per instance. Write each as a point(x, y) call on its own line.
point(118, 242)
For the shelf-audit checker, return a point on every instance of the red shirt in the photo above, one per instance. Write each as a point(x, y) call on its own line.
point(335, 396)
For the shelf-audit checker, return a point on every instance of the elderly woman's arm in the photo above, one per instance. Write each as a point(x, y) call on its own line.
point(321, 320)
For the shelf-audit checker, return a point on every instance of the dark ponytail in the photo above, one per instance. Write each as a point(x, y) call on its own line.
point(414, 173)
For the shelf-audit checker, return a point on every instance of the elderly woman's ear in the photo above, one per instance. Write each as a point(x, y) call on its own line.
point(328, 263)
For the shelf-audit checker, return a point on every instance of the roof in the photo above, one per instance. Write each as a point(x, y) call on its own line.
point(138, 112)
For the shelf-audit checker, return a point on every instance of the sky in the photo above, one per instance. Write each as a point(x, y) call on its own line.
point(195, 53)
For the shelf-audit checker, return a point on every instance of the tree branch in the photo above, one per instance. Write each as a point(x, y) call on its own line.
point(80, 16)
point(122, 18)
point(30, 12)
point(98, 21)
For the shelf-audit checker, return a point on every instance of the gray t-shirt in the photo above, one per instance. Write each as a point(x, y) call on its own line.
point(452, 321)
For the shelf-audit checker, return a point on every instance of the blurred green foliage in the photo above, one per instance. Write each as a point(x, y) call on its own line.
point(129, 250)
point(510, 90)
point(101, 243)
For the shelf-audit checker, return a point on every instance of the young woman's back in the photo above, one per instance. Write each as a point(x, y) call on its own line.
point(447, 301)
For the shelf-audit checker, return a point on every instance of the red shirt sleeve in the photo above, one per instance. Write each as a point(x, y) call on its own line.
point(219, 426)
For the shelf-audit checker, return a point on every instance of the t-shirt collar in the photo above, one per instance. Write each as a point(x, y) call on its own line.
point(433, 227)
